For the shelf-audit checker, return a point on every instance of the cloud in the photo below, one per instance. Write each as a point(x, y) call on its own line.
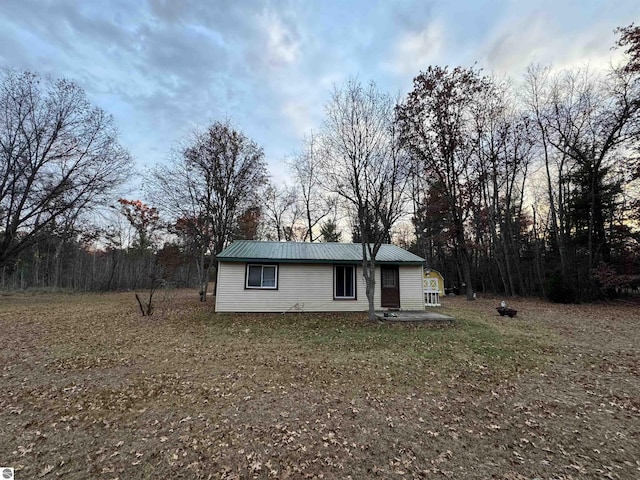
point(410, 16)
point(552, 33)
point(282, 42)
point(518, 46)
point(414, 51)
point(162, 66)
point(299, 114)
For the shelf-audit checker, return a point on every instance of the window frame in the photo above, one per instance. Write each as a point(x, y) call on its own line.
point(354, 269)
point(396, 274)
point(262, 265)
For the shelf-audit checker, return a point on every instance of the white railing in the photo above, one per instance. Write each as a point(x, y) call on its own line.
point(431, 299)
point(431, 292)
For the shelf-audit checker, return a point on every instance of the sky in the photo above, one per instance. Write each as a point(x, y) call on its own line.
point(165, 67)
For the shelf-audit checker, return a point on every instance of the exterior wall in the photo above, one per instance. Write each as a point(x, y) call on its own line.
point(309, 288)
point(411, 289)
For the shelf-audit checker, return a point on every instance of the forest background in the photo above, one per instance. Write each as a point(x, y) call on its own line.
point(521, 186)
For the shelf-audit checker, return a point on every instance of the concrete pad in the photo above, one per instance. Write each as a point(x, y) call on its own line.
point(415, 316)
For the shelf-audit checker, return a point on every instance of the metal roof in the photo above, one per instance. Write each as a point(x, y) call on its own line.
point(303, 252)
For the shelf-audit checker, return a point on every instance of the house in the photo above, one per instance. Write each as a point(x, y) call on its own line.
point(258, 276)
point(433, 287)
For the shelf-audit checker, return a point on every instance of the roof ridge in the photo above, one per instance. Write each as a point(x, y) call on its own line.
point(320, 252)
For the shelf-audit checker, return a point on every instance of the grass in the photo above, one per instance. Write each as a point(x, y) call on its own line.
point(371, 352)
point(93, 390)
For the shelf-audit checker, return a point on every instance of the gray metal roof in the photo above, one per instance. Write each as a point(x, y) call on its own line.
point(302, 252)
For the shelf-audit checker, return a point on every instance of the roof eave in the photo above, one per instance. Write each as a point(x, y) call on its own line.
point(307, 261)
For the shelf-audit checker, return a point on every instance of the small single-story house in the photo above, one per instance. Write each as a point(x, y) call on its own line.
point(255, 276)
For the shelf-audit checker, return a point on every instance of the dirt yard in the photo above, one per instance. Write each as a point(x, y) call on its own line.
point(90, 389)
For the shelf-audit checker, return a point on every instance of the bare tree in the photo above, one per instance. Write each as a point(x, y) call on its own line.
point(213, 178)
point(59, 158)
point(538, 98)
point(504, 145)
point(587, 126)
point(364, 165)
point(280, 207)
point(178, 190)
point(316, 202)
point(436, 126)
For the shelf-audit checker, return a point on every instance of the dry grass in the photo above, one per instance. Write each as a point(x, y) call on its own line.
point(92, 390)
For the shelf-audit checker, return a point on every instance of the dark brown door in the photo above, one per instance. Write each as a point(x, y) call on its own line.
point(390, 286)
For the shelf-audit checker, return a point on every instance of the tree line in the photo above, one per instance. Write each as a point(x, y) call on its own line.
point(518, 187)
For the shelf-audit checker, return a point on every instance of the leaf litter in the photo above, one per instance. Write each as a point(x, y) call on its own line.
point(92, 390)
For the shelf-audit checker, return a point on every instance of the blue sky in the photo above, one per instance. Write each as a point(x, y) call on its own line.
point(162, 67)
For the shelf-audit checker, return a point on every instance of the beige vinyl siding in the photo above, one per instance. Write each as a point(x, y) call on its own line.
point(411, 288)
point(305, 287)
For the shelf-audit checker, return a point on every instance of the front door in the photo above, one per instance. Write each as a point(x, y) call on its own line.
point(390, 286)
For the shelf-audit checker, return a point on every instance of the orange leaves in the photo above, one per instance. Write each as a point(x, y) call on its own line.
point(143, 218)
point(139, 214)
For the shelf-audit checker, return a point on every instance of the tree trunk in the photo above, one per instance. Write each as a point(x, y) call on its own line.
point(466, 271)
point(463, 257)
point(538, 260)
point(309, 223)
point(203, 277)
point(369, 274)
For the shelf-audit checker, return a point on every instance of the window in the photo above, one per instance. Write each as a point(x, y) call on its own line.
point(344, 280)
point(262, 276)
point(389, 278)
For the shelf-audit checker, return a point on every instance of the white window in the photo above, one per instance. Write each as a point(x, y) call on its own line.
point(344, 281)
point(262, 276)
